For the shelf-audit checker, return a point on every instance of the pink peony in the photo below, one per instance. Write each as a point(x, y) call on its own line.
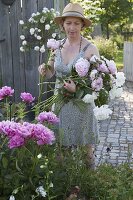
point(5, 92)
point(27, 97)
point(42, 134)
point(111, 66)
point(97, 84)
point(48, 116)
point(16, 141)
point(103, 68)
point(53, 44)
point(82, 66)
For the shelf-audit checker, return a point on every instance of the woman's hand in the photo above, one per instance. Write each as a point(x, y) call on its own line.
point(42, 69)
point(70, 86)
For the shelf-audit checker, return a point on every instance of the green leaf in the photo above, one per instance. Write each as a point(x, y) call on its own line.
point(4, 162)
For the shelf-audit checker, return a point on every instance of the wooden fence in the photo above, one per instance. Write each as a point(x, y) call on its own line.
point(18, 70)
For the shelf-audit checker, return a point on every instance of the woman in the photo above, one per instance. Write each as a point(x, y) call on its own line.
point(80, 128)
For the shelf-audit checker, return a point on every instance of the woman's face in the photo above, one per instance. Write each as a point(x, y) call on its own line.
point(72, 26)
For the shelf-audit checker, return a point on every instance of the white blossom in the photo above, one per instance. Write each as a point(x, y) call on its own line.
point(22, 49)
point(89, 98)
point(120, 79)
point(47, 27)
point(94, 59)
point(31, 20)
point(45, 9)
point(39, 155)
point(93, 74)
point(39, 37)
point(53, 35)
point(21, 22)
point(42, 49)
point(115, 92)
point(40, 190)
point(22, 37)
point(36, 48)
point(24, 42)
point(102, 113)
point(51, 185)
point(12, 197)
point(32, 30)
point(33, 14)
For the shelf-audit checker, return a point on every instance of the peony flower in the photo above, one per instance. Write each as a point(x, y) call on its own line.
point(6, 92)
point(115, 92)
point(120, 79)
point(102, 113)
point(27, 97)
point(82, 66)
point(36, 48)
point(54, 35)
point(103, 68)
point(89, 98)
point(48, 116)
point(16, 141)
point(93, 74)
point(97, 84)
point(111, 66)
point(53, 44)
point(38, 37)
point(24, 42)
point(42, 134)
point(94, 59)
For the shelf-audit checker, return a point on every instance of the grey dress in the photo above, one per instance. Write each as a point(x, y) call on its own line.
point(76, 127)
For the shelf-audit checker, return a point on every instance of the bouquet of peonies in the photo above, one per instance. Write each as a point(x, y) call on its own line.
point(97, 81)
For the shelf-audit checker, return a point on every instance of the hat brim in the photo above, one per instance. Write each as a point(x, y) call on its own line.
point(59, 20)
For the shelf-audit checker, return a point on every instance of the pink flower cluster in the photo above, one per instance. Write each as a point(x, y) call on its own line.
point(53, 44)
point(27, 97)
point(82, 67)
point(18, 134)
point(6, 92)
point(49, 117)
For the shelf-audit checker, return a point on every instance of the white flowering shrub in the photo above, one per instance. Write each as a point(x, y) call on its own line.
point(36, 31)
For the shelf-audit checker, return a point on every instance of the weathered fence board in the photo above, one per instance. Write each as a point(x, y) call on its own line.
point(18, 70)
point(128, 60)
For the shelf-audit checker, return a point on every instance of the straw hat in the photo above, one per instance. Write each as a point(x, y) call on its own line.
point(73, 10)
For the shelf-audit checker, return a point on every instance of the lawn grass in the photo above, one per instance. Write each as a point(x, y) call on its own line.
point(119, 59)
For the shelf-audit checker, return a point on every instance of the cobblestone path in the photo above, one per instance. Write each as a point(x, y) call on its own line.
point(116, 133)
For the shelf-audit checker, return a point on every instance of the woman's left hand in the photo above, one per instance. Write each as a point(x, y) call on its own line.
point(70, 86)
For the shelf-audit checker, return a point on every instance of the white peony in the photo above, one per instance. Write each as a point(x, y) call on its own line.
point(88, 98)
point(39, 37)
point(115, 92)
point(22, 49)
point(24, 42)
point(120, 79)
point(102, 113)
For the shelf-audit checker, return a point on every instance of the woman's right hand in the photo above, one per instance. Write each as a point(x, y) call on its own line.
point(42, 69)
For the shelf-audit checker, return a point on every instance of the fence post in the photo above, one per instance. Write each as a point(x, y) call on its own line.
point(128, 60)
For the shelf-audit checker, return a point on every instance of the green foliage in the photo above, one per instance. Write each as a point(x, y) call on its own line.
point(64, 168)
point(107, 47)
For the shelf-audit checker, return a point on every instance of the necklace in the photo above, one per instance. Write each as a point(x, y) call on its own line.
point(80, 44)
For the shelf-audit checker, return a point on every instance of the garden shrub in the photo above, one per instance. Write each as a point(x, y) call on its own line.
point(107, 47)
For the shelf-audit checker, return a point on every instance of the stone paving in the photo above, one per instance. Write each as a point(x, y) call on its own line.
point(116, 133)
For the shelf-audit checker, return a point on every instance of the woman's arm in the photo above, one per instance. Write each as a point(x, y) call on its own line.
point(92, 50)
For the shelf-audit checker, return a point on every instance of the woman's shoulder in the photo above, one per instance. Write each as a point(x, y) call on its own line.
point(91, 49)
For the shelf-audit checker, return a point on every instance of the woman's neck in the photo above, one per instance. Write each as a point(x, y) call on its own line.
point(74, 41)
